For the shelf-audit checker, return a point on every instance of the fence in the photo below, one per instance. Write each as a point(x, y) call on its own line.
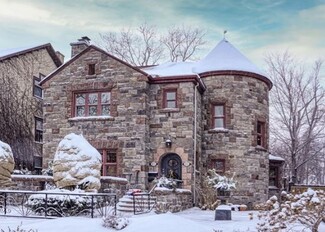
point(143, 203)
point(53, 204)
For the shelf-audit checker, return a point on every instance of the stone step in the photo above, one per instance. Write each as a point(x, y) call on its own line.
point(125, 203)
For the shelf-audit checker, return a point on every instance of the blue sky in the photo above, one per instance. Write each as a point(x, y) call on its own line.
point(255, 27)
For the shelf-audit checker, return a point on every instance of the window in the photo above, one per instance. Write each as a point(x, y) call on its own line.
point(38, 129)
point(92, 104)
point(274, 176)
point(170, 99)
point(37, 90)
point(218, 165)
point(218, 115)
point(109, 166)
point(91, 69)
point(260, 134)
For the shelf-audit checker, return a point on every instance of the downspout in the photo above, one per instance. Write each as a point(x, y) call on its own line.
point(195, 142)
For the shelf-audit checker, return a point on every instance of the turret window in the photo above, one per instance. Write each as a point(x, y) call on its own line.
point(218, 114)
point(260, 134)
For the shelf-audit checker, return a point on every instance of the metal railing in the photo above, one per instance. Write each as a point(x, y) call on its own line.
point(143, 203)
point(53, 204)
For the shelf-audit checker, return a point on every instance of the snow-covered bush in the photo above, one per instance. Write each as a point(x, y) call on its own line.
point(219, 182)
point(166, 183)
point(59, 205)
point(7, 164)
point(117, 222)
point(307, 209)
point(77, 164)
point(212, 184)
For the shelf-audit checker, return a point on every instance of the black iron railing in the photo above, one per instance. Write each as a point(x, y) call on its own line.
point(52, 204)
point(143, 203)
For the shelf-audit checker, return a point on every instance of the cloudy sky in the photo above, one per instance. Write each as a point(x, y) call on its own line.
point(255, 27)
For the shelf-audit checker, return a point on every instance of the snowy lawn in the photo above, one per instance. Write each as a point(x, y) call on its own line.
point(192, 220)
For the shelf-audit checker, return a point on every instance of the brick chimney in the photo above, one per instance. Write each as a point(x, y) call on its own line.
point(79, 46)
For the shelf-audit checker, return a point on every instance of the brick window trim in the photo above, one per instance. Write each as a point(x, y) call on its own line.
point(105, 152)
point(260, 136)
point(169, 90)
point(213, 117)
point(91, 69)
point(98, 91)
point(213, 162)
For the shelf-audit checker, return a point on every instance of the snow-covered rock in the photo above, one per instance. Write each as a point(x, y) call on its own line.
point(7, 164)
point(77, 164)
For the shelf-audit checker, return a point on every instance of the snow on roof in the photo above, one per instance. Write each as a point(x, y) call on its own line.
point(224, 57)
point(171, 69)
point(277, 158)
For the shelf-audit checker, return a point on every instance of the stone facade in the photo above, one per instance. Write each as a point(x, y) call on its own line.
point(147, 136)
point(27, 67)
point(246, 102)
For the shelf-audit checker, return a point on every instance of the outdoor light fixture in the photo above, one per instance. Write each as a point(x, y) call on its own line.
point(168, 143)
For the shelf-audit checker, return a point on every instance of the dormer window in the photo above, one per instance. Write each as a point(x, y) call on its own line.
point(218, 116)
point(170, 98)
point(91, 69)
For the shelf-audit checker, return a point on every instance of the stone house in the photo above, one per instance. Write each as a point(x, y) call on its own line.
point(21, 69)
point(174, 119)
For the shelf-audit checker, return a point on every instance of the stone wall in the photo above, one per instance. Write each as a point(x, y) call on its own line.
point(246, 102)
point(109, 184)
point(176, 124)
point(127, 129)
point(172, 200)
point(23, 69)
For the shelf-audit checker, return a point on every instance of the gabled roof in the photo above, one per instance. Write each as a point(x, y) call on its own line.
point(223, 59)
point(14, 52)
point(85, 51)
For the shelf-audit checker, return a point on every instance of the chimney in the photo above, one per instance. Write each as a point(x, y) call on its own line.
point(60, 56)
point(79, 46)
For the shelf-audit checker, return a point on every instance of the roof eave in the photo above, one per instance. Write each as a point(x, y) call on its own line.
point(85, 51)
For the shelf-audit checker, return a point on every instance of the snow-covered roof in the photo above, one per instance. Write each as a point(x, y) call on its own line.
point(276, 158)
point(224, 57)
point(171, 69)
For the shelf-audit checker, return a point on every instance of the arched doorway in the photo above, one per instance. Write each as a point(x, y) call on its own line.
point(171, 166)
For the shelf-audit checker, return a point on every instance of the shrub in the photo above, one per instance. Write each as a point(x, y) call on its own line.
point(18, 229)
point(59, 205)
point(117, 222)
point(307, 208)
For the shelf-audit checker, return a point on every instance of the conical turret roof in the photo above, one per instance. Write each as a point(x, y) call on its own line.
point(225, 57)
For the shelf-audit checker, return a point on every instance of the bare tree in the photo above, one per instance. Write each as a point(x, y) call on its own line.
point(144, 46)
point(297, 111)
point(18, 107)
point(140, 48)
point(183, 42)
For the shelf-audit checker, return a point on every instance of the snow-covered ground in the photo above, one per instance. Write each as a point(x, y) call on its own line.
point(192, 220)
